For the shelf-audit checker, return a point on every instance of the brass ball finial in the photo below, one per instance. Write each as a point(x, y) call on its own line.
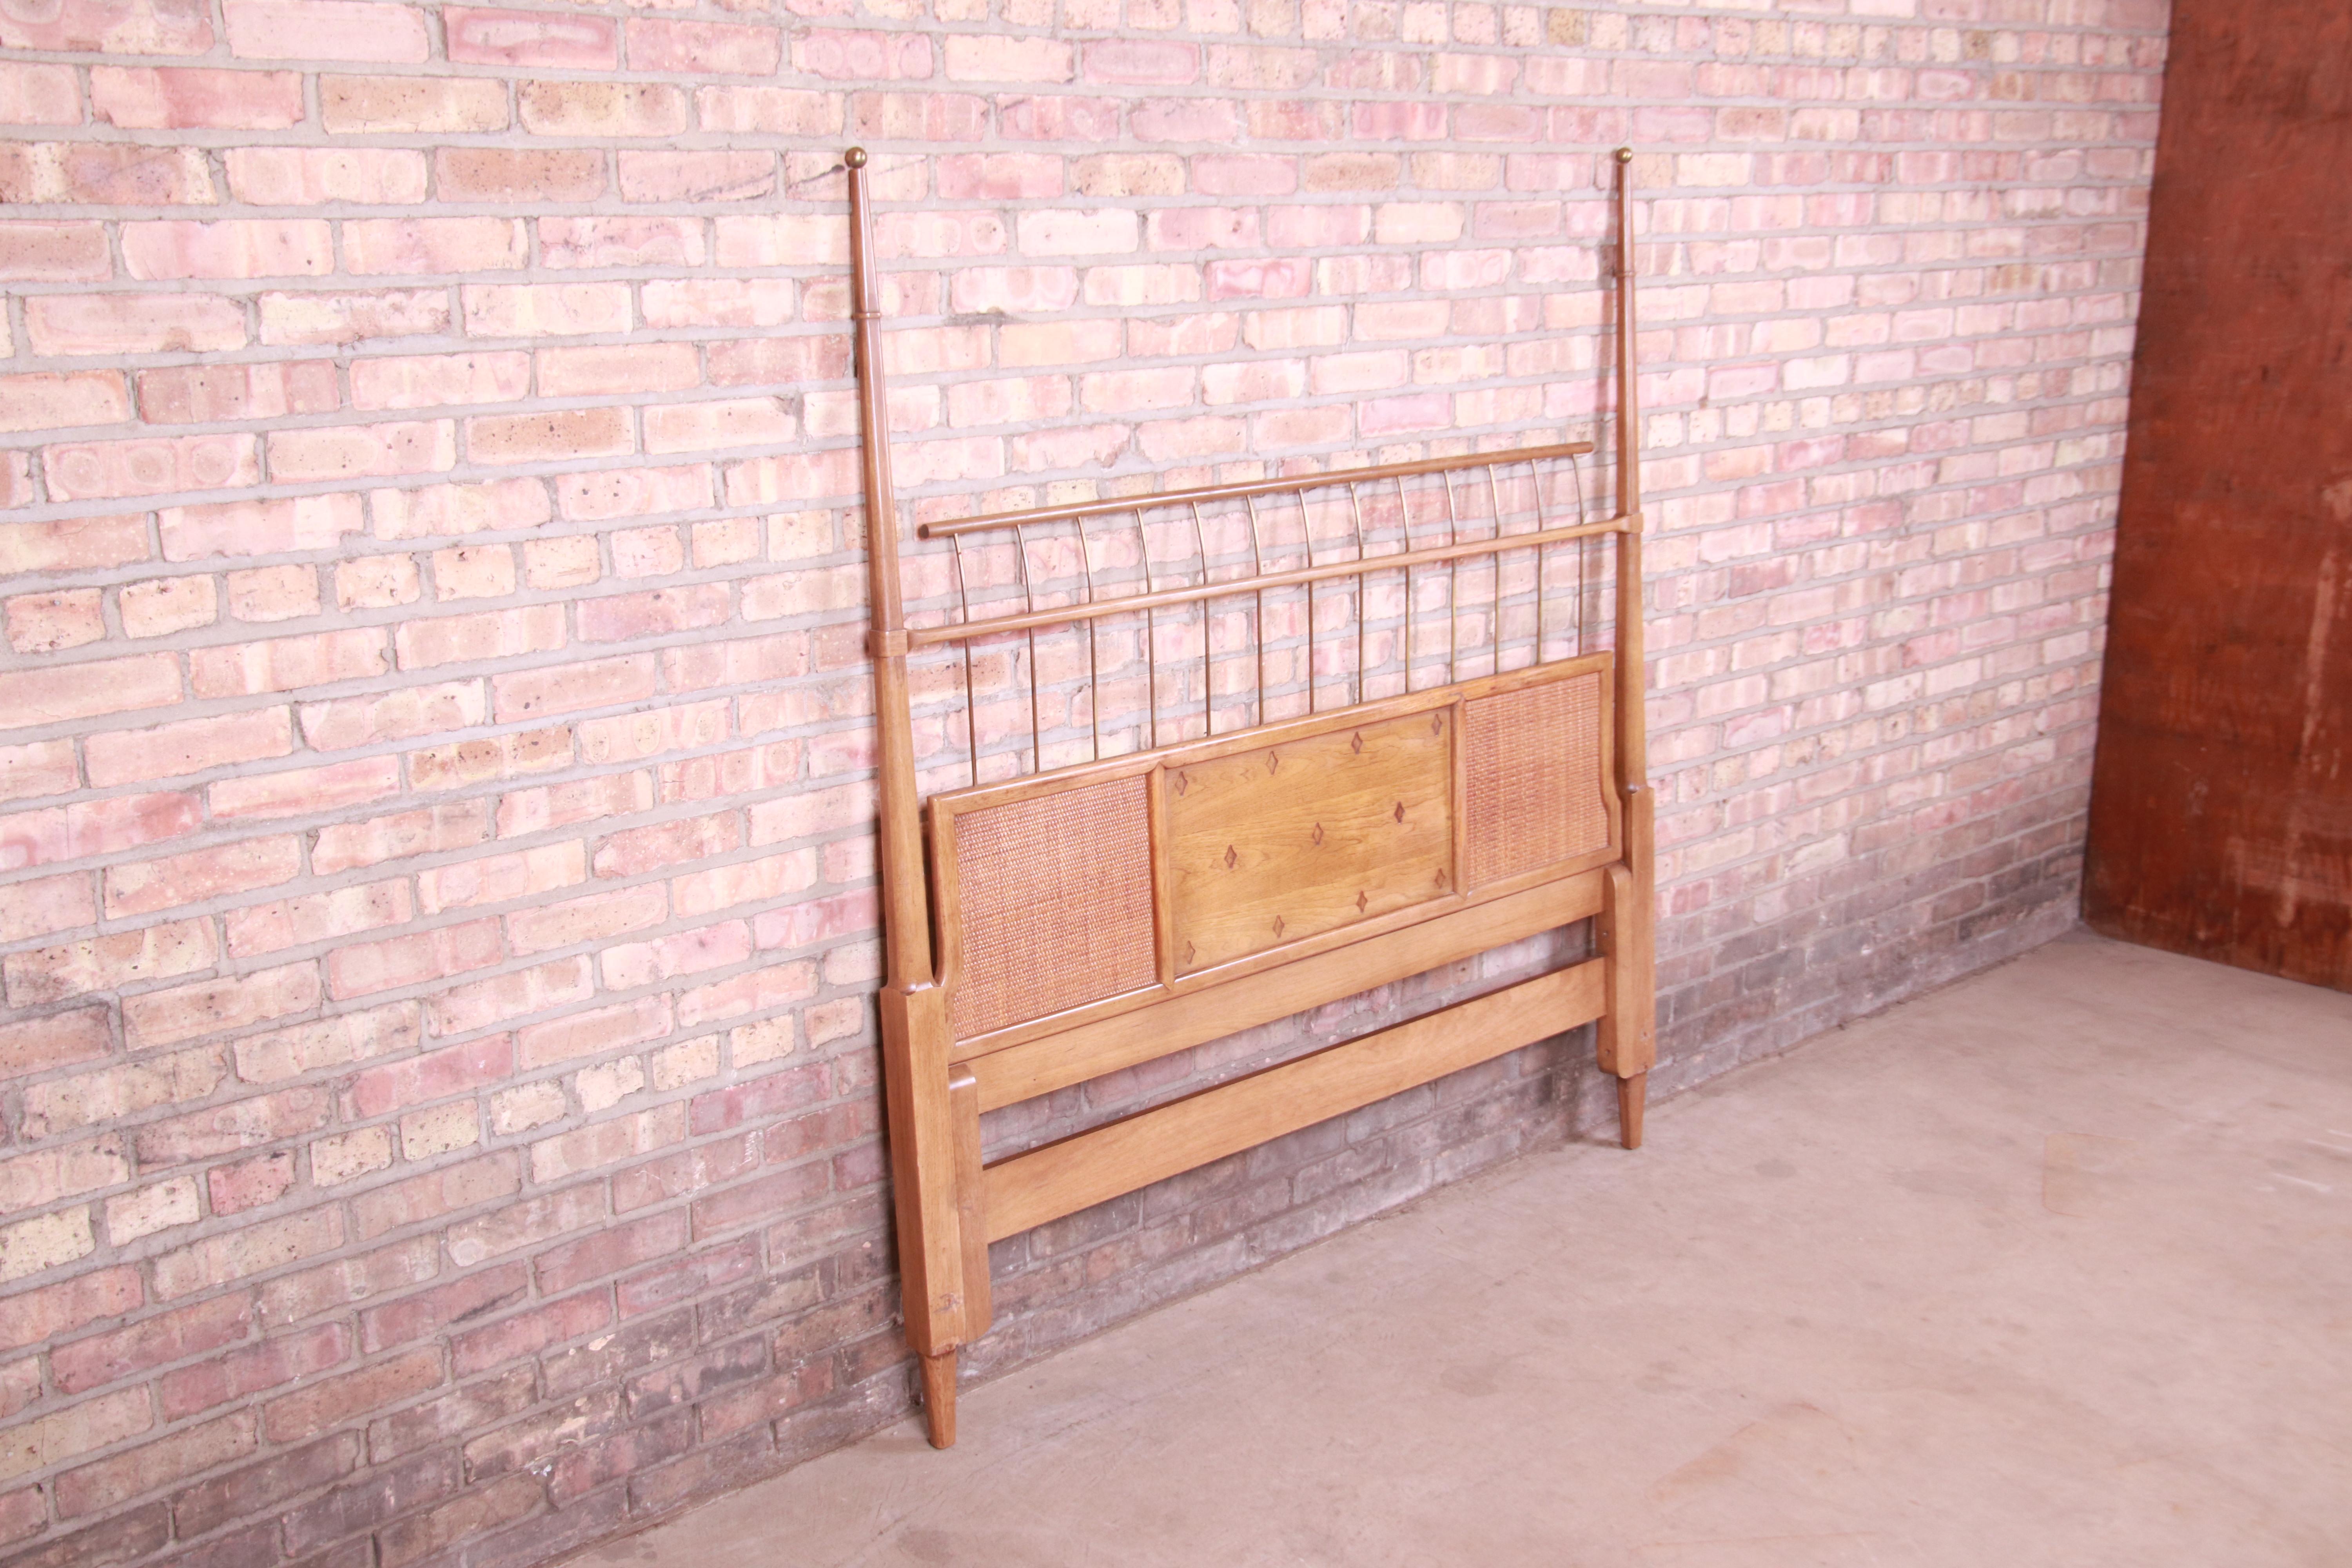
point(1624, 154)
point(855, 157)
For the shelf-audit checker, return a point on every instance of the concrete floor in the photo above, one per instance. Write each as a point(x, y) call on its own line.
point(2052, 1266)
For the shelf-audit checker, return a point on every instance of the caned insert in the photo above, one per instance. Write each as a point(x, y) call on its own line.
point(1056, 898)
point(1532, 775)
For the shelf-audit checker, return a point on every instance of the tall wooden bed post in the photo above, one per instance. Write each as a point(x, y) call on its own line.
point(924, 1107)
point(1628, 1033)
point(1531, 811)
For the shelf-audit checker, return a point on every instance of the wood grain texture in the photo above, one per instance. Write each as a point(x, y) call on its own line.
point(971, 1204)
point(2222, 801)
point(1270, 846)
point(1077, 1172)
point(1038, 1067)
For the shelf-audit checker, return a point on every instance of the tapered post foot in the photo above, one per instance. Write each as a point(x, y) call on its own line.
point(938, 1397)
point(1631, 1094)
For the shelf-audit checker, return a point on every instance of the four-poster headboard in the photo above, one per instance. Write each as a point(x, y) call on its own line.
point(1246, 849)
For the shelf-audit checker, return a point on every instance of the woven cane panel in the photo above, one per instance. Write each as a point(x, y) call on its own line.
point(1056, 904)
point(1533, 762)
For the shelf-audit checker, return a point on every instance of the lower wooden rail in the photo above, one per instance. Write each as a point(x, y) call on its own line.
point(1089, 1168)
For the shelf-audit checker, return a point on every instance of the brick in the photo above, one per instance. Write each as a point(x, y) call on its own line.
point(330, 1043)
point(192, 745)
point(539, 309)
point(109, 174)
point(335, 1400)
point(52, 1311)
point(560, 436)
point(187, 1012)
point(308, 176)
point(769, 110)
point(434, 1196)
point(146, 886)
point(334, 915)
point(602, 108)
point(250, 1183)
point(435, 1075)
point(433, 381)
point(707, 176)
point(326, 30)
point(313, 319)
point(362, 451)
point(138, 98)
point(46, 906)
point(362, 1505)
point(106, 471)
point(40, 95)
point(260, 528)
point(237, 248)
point(79, 1429)
point(43, 1242)
point(284, 664)
point(44, 623)
point(44, 767)
point(631, 241)
point(54, 253)
point(527, 1333)
point(256, 1489)
point(96, 827)
point(703, 48)
point(609, 493)
point(157, 1340)
point(478, 35)
point(618, 369)
point(719, 302)
point(158, 1464)
point(132, 323)
point(459, 244)
point(593, 1033)
point(441, 509)
point(263, 594)
point(154, 27)
point(468, 1408)
point(347, 1156)
point(125, 1539)
point(49, 401)
point(92, 690)
point(412, 105)
point(191, 394)
point(516, 174)
point(360, 969)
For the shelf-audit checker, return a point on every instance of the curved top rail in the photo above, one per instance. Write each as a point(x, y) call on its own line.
point(1242, 489)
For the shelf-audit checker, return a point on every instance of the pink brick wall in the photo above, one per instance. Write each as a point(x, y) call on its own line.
point(435, 912)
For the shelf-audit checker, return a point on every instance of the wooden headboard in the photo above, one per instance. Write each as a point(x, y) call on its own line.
point(1168, 765)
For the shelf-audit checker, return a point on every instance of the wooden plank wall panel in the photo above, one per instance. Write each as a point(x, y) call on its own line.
point(2221, 808)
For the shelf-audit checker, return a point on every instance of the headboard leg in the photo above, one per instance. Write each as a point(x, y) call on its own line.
point(1627, 1035)
point(1631, 1093)
point(939, 1398)
point(923, 1159)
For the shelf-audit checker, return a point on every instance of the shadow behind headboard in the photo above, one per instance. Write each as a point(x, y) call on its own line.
point(1089, 915)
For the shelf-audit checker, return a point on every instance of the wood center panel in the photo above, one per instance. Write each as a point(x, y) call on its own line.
point(1270, 846)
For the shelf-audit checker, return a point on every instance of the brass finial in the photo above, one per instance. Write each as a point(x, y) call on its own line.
point(1624, 154)
point(855, 157)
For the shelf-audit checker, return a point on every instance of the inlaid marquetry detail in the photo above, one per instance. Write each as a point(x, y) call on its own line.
point(1276, 846)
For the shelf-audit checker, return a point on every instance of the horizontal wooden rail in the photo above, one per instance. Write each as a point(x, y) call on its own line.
point(1242, 489)
point(1036, 1065)
point(1256, 583)
point(1092, 1167)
